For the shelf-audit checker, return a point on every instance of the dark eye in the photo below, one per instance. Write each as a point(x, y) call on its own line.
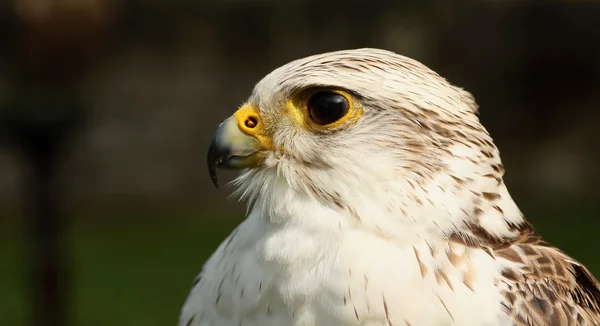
point(327, 107)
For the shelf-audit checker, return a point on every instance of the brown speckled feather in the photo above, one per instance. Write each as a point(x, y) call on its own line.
point(548, 287)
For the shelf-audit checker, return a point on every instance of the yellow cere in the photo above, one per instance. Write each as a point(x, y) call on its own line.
point(297, 108)
point(250, 123)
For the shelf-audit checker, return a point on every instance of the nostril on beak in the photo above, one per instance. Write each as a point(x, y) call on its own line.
point(251, 122)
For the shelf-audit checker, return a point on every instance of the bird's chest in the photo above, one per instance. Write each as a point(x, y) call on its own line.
point(292, 276)
point(319, 273)
point(354, 278)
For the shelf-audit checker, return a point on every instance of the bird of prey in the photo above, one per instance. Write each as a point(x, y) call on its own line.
point(376, 197)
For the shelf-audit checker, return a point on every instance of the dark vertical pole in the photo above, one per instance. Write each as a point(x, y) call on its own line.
point(46, 234)
point(58, 44)
point(41, 139)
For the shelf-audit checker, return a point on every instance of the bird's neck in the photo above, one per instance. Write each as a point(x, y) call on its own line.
point(447, 206)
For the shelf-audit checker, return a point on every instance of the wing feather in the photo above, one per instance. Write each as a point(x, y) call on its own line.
point(550, 289)
point(547, 287)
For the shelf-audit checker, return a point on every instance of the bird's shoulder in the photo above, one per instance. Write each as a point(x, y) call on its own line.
point(544, 285)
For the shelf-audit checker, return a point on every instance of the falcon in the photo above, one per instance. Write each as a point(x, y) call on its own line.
point(376, 197)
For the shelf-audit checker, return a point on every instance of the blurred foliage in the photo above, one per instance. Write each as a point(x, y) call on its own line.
point(133, 270)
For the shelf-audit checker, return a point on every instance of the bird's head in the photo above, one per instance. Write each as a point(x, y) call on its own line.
point(350, 124)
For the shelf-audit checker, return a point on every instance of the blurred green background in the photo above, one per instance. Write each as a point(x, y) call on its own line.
point(154, 78)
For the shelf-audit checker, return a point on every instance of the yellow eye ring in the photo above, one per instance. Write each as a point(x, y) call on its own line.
point(326, 108)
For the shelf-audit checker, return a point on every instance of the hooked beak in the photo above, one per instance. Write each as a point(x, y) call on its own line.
point(237, 143)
